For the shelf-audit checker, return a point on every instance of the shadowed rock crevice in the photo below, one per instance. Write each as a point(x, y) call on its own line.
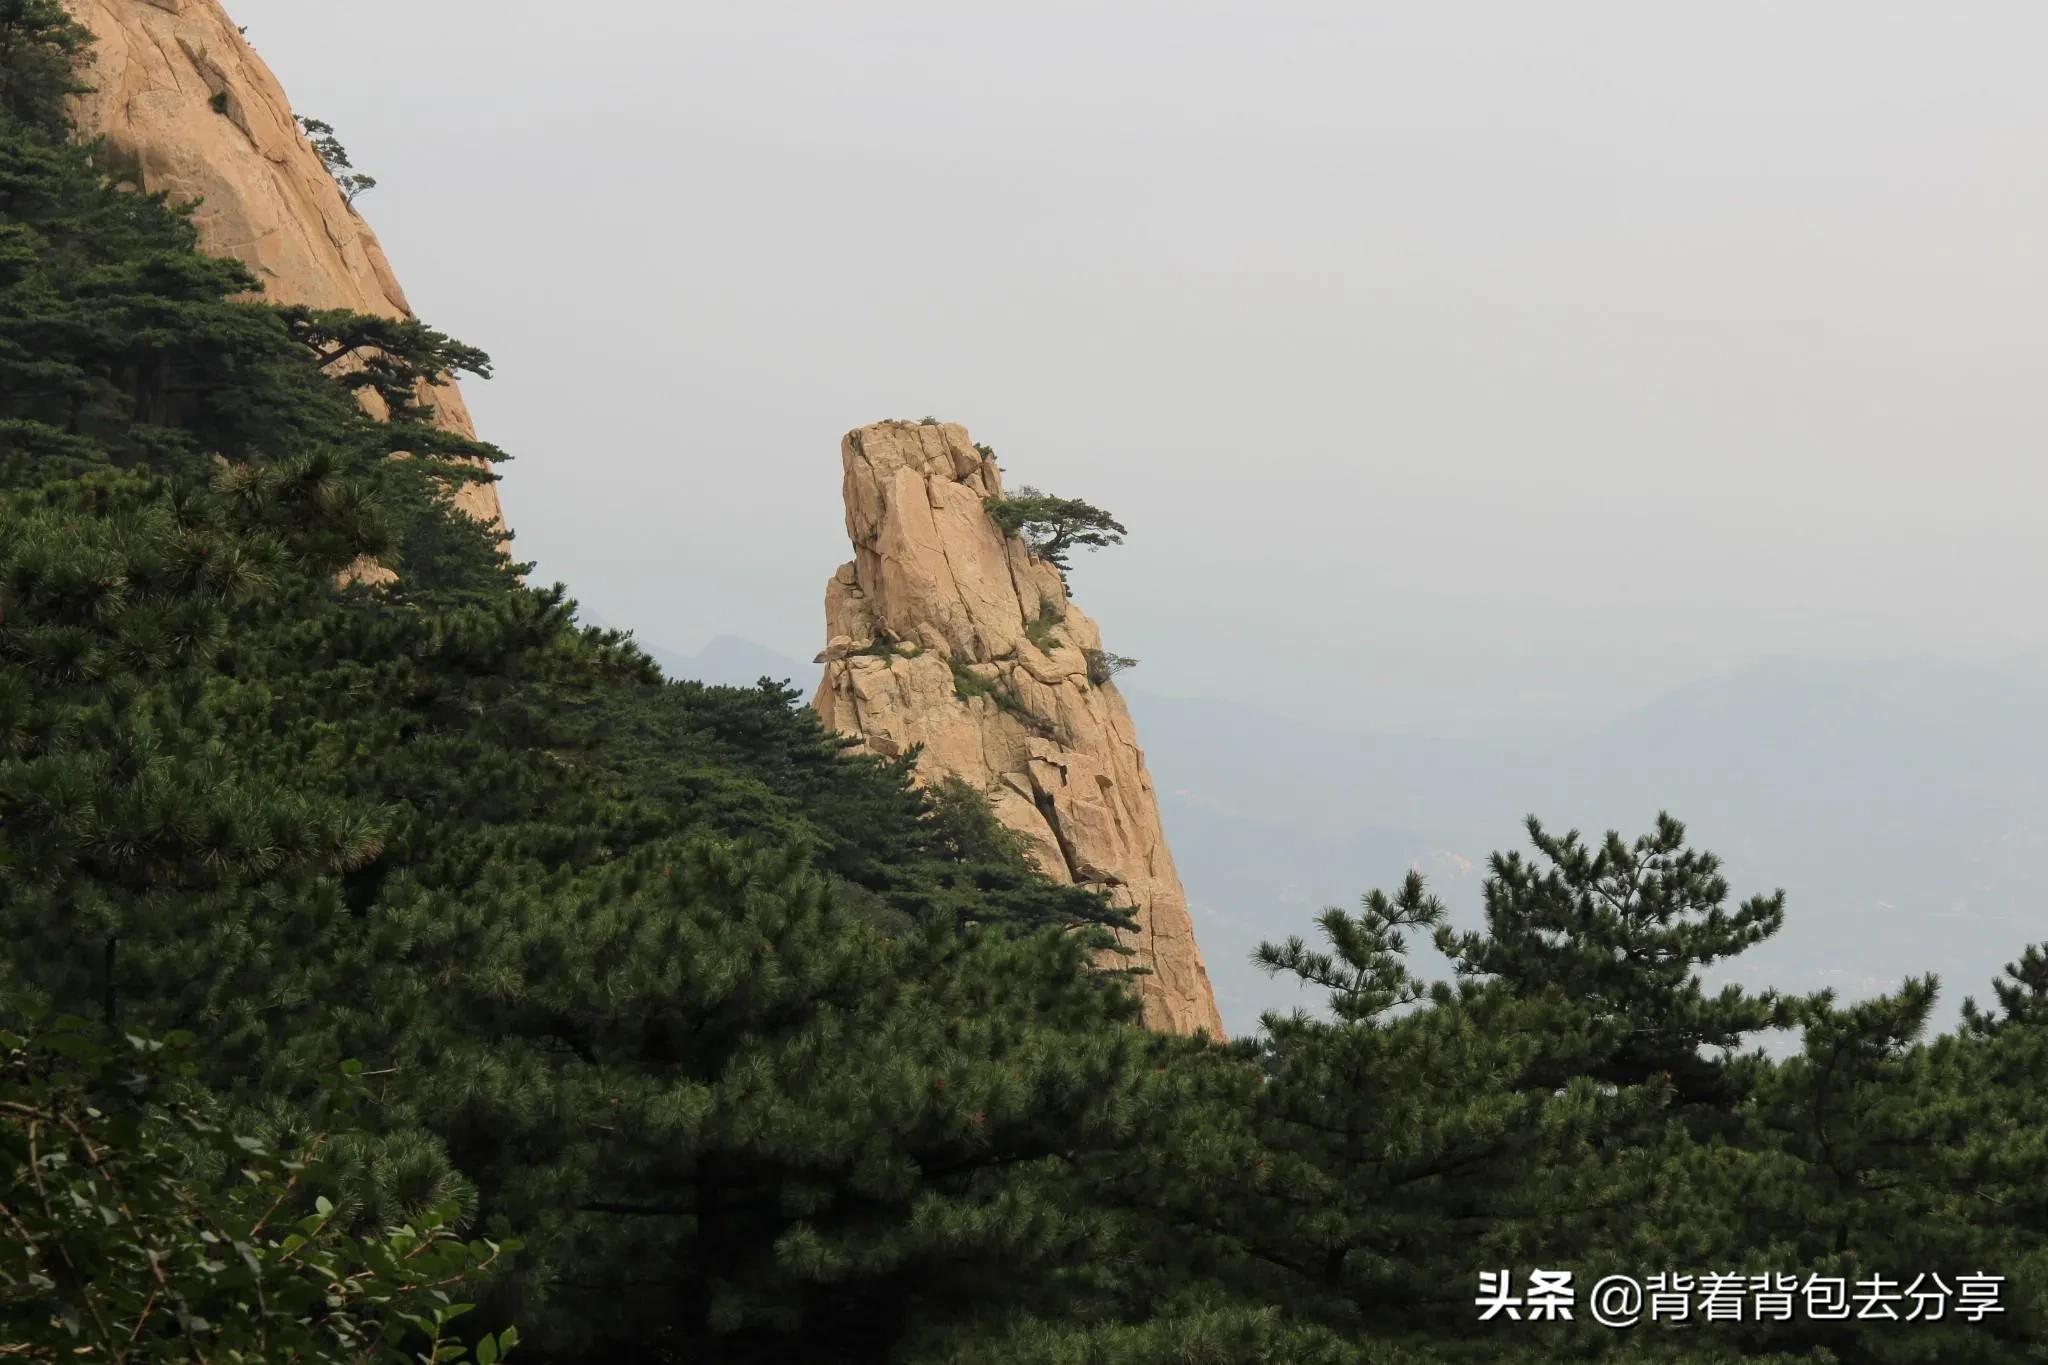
point(928, 641)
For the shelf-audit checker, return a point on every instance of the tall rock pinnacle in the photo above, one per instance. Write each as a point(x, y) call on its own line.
point(187, 107)
point(931, 641)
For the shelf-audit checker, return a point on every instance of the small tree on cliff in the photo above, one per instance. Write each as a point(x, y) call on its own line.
point(1052, 526)
point(335, 157)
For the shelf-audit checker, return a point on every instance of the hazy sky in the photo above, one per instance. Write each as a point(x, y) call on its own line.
point(1477, 369)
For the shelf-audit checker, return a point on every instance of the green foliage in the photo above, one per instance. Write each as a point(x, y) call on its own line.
point(968, 826)
point(967, 684)
point(1373, 1158)
point(826, 1142)
point(40, 48)
point(334, 156)
point(1360, 1166)
point(2021, 993)
point(131, 846)
point(1625, 929)
point(395, 358)
point(1054, 527)
point(1039, 629)
point(1103, 665)
point(1206, 1334)
point(140, 1225)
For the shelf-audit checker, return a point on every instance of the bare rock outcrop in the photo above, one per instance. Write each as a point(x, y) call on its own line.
point(947, 633)
point(187, 107)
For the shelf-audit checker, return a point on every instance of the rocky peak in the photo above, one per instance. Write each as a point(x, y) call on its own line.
point(945, 632)
point(187, 107)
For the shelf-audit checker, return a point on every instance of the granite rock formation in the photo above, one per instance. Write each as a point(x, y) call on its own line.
point(946, 633)
point(187, 107)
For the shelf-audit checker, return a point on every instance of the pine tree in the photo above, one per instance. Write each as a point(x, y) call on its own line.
point(1877, 1151)
point(335, 157)
point(131, 843)
point(2021, 992)
point(1389, 1150)
point(1054, 526)
point(40, 47)
point(1625, 929)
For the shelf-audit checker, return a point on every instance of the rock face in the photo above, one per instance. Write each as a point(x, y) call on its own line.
point(187, 106)
point(930, 640)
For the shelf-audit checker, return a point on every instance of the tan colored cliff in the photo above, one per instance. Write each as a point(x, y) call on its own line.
point(936, 589)
point(180, 96)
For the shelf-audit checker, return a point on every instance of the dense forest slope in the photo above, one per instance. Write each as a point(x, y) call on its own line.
point(385, 970)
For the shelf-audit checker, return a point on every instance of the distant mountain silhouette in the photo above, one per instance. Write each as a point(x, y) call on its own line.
point(1902, 805)
point(1270, 821)
point(733, 662)
point(729, 661)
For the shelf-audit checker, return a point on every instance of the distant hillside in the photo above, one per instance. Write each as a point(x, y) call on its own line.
point(1900, 804)
point(729, 661)
point(1271, 820)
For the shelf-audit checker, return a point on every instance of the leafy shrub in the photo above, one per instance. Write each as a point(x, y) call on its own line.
point(1039, 630)
point(140, 1227)
point(968, 685)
